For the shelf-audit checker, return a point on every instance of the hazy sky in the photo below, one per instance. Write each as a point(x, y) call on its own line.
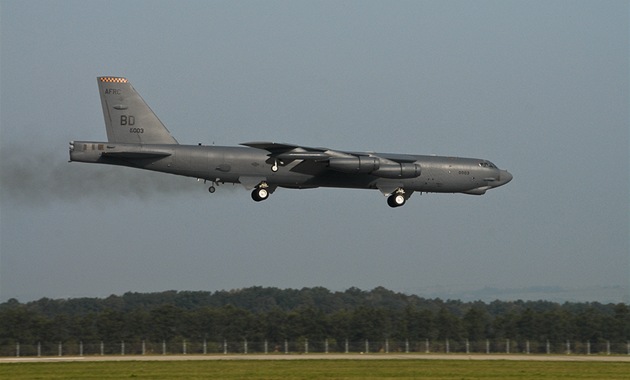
point(540, 88)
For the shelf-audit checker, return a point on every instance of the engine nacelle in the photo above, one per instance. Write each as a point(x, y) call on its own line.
point(374, 166)
point(402, 170)
point(360, 164)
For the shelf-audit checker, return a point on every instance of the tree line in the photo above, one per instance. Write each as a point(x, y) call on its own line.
point(276, 315)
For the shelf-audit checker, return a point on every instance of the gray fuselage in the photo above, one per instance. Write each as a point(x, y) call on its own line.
point(225, 164)
point(137, 138)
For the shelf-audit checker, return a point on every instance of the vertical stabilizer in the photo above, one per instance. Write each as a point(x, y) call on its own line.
point(128, 119)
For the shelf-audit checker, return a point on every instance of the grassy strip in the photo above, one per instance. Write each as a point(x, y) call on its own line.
point(317, 369)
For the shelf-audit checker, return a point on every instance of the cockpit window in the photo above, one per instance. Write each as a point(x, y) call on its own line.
point(487, 164)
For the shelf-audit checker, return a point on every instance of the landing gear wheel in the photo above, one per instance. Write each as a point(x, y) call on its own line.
point(212, 189)
point(396, 200)
point(260, 194)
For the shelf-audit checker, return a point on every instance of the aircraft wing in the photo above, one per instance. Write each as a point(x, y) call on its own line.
point(296, 152)
point(290, 152)
point(271, 146)
point(383, 165)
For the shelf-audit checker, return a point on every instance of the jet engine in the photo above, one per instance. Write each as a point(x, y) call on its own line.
point(360, 164)
point(398, 170)
point(374, 166)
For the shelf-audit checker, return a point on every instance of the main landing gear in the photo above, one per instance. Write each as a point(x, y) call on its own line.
point(397, 199)
point(261, 192)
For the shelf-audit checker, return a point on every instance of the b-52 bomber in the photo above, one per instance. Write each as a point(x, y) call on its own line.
point(138, 139)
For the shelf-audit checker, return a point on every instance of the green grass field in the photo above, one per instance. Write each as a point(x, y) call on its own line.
point(318, 369)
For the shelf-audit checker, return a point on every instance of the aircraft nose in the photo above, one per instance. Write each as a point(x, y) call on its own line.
point(505, 177)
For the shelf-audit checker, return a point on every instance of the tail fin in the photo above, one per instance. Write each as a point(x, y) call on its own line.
point(128, 119)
